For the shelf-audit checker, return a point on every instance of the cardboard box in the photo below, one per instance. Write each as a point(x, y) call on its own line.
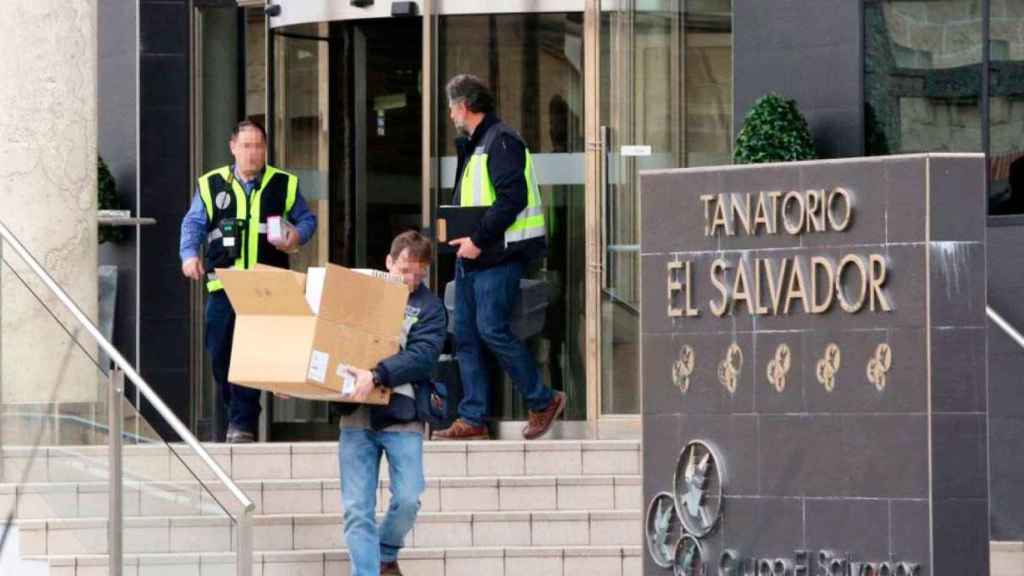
point(287, 344)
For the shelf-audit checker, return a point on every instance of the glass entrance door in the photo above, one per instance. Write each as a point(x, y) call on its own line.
point(377, 173)
point(666, 102)
point(300, 141)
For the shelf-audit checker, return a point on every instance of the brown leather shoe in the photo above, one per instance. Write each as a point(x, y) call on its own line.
point(462, 430)
point(390, 569)
point(540, 422)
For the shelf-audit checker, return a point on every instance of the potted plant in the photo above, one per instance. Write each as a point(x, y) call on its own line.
point(774, 131)
point(107, 199)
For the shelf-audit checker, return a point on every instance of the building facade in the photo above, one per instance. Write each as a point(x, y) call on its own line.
point(352, 96)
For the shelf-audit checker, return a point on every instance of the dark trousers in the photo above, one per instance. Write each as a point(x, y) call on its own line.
point(236, 406)
point(484, 300)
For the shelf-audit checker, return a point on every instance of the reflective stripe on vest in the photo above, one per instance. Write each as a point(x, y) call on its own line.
point(243, 205)
point(477, 189)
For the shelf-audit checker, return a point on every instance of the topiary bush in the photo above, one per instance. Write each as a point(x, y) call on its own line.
point(107, 199)
point(774, 131)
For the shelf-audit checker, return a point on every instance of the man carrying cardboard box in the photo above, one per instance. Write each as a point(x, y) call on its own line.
point(231, 210)
point(397, 429)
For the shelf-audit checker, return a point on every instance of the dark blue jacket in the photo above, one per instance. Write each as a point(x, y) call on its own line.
point(426, 320)
point(506, 165)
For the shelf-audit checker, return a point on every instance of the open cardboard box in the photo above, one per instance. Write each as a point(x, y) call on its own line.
point(288, 344)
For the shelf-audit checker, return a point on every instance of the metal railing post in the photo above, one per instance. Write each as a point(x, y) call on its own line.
point(1005, 326)
point(115, 395)
point(115, 422)
point(115, 356)
point(243, 556)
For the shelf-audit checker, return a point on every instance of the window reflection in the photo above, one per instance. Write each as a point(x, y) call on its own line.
point(666, 82)
point(922, 76)
point(1006, 107)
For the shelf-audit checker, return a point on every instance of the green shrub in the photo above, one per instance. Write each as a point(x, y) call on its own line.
point(107, 199)
point(774, 131)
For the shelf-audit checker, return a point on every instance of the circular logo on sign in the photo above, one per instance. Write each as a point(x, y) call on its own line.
point(689, 557)
point(828, 366)
point(879, 365)
point(779, 366)
point(663, 529)
point(698, 483)
point(729, 368)
point(682, 369)
point(222, 200)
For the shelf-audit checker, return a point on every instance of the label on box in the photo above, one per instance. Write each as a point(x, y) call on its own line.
point(229, 241)
point(379, 274)
point(348, 380)
point(318, 366)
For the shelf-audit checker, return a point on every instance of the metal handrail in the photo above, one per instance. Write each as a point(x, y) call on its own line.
point(1006, 326)
point(244, 556)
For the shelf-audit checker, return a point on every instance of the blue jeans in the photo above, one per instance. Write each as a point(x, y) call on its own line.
point(240, 405)
point(359, 452)
point(483, 309)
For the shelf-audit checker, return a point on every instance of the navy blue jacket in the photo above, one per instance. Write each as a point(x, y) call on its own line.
point(414, 364)
point(506, 165)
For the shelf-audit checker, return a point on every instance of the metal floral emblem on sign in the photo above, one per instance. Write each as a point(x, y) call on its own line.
point(878, 366)
point(779, 367)
point(682, 368)
point(729, 368)
point(828, 366)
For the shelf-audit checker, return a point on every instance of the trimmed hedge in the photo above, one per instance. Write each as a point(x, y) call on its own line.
point(774, 131)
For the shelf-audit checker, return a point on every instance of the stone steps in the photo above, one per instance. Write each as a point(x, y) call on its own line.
point(457, 494)
point(480, 561)
point(497, 507)
point(319, 460)
point(1007, 558)
point(88, 499)
point(188, 534)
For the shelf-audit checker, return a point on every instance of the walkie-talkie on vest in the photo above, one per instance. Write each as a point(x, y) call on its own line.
point(233, 237)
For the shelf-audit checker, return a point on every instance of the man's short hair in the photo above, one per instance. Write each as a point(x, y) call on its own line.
point(419, 246)
point(471, 90)
point(248, 125)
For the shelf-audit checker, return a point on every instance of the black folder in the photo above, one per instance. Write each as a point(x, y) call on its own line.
point(457, 222)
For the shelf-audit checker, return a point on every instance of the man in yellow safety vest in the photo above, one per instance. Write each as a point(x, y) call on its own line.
point(495, 170)
point(244, 213)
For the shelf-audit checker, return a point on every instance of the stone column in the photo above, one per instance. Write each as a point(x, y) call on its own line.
point(48, 194)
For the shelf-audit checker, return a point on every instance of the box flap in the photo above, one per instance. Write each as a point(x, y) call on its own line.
point(265, 291)
point(372, 305)
point(315, 287)
point(272, 349)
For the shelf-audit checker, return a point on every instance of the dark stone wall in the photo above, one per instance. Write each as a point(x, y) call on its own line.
point(166, 190)
point(857, 468)
point(809, 50)
point(165, 187)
